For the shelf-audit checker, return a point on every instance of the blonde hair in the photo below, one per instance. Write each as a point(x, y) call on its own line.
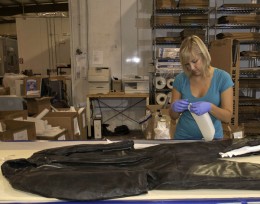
point(192, 46)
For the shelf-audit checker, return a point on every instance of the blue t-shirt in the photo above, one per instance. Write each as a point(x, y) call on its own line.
point(187, 128)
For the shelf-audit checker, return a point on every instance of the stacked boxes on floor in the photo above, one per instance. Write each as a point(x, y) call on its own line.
point(67, 120)
point(61, 125)
point(62, 134)
point(72, 119)
point(12, 129)
point(17, 130)
point(15, 114)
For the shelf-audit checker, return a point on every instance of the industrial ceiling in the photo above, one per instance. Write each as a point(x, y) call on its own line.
point(11, 8)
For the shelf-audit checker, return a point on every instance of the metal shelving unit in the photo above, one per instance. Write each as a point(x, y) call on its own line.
point(212, 28)
point(172, 41)
point(249, 72)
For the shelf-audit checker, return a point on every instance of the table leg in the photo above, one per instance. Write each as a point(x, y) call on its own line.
point(88, 117)
point(147, 101)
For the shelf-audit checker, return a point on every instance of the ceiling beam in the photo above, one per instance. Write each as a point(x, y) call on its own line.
point(10, 11)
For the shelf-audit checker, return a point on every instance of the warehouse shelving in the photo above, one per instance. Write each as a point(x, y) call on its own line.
point(246, 89)
point(249, 70)
point(170, 33)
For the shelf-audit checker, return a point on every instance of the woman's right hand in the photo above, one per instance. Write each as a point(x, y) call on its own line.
point(180, 105)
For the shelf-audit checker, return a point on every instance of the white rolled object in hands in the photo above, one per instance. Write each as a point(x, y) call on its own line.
point(205, 124)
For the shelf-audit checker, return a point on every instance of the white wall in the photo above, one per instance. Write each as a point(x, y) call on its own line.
point(117, 30)
point(43, 43)
point(114, 29)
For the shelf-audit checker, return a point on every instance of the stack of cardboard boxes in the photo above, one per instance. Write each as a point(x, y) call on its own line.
point(62, 125)
point(72, 120)
point(30, 124)
point(13, 129)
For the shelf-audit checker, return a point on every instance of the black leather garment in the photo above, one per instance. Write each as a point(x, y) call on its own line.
point(104, 171)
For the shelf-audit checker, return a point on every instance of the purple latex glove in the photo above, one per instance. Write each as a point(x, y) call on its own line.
point(180, 105)
point(201, 107)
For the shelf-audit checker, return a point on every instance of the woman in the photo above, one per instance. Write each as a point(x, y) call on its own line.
point(204, 88)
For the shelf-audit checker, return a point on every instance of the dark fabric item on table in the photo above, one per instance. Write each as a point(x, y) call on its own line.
point(105, 171)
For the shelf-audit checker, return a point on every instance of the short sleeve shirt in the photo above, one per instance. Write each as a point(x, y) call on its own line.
point(187, 128)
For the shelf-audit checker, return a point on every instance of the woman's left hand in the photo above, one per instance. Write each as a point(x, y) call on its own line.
point(201, 107)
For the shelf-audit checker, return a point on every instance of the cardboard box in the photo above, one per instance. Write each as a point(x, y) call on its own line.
point(18, 130)
point(154, 108)
point(62, 135)
point(149, 130)
point(82, 118)
point(194, 3)
point(232, 131)
point(67, 120)
point(4, 90)
point(37, 105)
point(165, 4)
point(225, 54)
point(18, 114)
point(251, 128)
point(32, 86)
point(164, 20)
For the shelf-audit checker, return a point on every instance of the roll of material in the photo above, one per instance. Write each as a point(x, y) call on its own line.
point(205, 124)
point(169, 83)
point(160, 82)
point(42, 114)
point(161, 98)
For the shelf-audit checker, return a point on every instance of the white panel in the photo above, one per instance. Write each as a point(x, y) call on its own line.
point(120, 30)
point(62, 39)
point(136, 36)
point(129, 37)
point(104, 34)
point(144, 41)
